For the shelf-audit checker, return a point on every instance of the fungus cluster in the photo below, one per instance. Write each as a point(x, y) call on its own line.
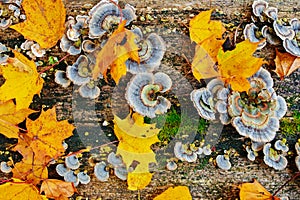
point(275, 157)
point(276, 31)
point(254, 114)
point(33, 50)
point(143, 93)
point(189, 152)
point(70, 171)
point(6, 18)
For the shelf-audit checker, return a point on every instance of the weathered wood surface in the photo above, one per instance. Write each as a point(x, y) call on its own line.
point(209, 182)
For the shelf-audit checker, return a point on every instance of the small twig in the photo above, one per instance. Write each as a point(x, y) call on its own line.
point(53, 65)
point(291, 179)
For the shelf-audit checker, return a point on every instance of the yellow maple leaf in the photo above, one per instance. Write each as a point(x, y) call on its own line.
point(119, 47)
point(19, 190)
point(255, 191)
point(45, 136)
point(57, 189)
point(286, 64)
point(138, 181)
point(22, 81)
point(179, 193)
point(10, 117)
point(45, 21)
point(201, 27)
point(206, 57)
point(135, 139)
point(239, 64)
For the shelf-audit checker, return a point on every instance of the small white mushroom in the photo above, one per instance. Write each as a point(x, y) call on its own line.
point(272, 12)
point(292, 47)
point(171, 165)
point(297, 147)
point(121, 172)
point(251, 155)
point(27, 44)
point(61, 169)
point(258, 7)
point(60, 78)
point(71, 177)
point(273, 159)
point(100, 171)
point(281, 145)
point(202, 100)
point(178, 150)
point(257, 146)
point(207, 150)
point(5, 168)
point(79, 72)
point(115, 160)
point(5, 23)
point(223, 162)
point(83, 178)
point(282, 31)
point(72, 162)
point(297, 161)
point(88, 46)
point(89, 90)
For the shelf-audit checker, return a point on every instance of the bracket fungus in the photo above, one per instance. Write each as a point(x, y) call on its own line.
point(281, 145)
point(5, 168)
point(100, 171)
point(80, 73)
point(274, 159)
point(83, 178)
point(258, 7)
point(114, 160)
point(223, 162)
point(184, 152)
point(61, 79)
point(72, 162)
point(71, 177)
point(121, 172)
point(254, 114)
point(171, 165)
point(151, 51)
point(3, 56)
point(61, 169)
point(106, 16)
point(143, 93)
point(251, 154)
point(252, 33)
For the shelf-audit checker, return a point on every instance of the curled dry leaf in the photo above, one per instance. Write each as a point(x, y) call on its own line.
point(10, 118)
point(119, 47)
point(22, 81)
point(57, 189)
point(286, 64)
point(19, 190)
point(45, 21)
point(255, 191)
point(179, 193)
point(201, 27)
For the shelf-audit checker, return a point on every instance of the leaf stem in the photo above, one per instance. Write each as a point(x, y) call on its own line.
point(291, 179)
point(53, 65)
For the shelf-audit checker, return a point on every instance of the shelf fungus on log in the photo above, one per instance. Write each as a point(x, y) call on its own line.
point(100, 171)
point(223, 162)
point(106, 16)
point(143, 93)
point(273, 158)
point(80, 73)
point(292, 46)
point(254, 114)
point(151, 51)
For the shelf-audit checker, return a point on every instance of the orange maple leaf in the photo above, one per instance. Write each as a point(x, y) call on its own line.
point(45, 136)
point(19, 190)
point(201, 27)
point(57, 189)
point(10, 117)
point(32, 169)
point(22, 81)
point(45, 21)
point(286, 64)
point(255, 191)
point(206, 58)
point(119, 47)
point(239, 64)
